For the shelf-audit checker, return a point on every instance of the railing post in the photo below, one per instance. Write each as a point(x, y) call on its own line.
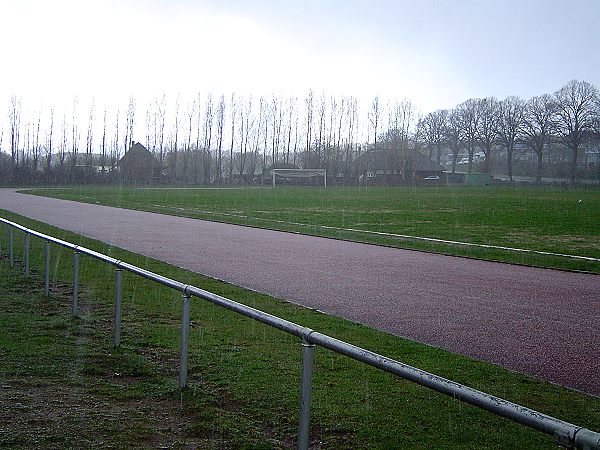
point(118, 295)
point(47, 269)
point(75, 282)
point(26, 254)
point(183, 340)
point(308, 352)
point(11, 253)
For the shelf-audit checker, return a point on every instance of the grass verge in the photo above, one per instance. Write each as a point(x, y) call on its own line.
point(548, 219)
point(64, 385)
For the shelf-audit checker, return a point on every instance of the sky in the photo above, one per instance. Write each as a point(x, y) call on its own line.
point(437, 53)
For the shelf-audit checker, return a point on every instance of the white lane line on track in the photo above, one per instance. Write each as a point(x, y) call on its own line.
point(394, 235)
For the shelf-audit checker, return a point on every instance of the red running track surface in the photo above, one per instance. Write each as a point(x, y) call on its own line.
point(536, 321)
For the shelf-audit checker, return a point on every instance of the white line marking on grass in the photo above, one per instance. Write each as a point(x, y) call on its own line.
point(467, 244)
point(394, 235)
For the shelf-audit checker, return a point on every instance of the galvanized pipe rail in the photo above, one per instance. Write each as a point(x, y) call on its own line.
point(565, 434)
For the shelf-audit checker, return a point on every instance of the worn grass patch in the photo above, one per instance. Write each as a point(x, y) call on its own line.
point(61, 376)
point(549, 219)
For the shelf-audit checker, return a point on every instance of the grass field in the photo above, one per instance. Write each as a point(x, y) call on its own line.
point(555, 220)
point(72, 389)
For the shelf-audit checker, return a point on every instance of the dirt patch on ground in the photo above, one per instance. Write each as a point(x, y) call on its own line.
point(84, 401)
point(41, 413)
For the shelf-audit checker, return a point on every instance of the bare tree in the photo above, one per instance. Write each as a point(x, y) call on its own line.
point(576, 110)
point(242, 161)
point(334, 107)
point(62, 150)
point(37, 150)
point(48, 147)
point(14, 119)
point(296, 138)
point(469, 120)
point(130, 124)
point(208, 124)
point(220, 123)
point(309, 123)
point(398, 136)
point(233, 115)
point(277, 118)
point(454, 134)
point(374, 118)
point(509, 125)
point(538, 127)
point(338, 143)
point(487, 132)
point(374, 115)
point(175, 136)
point(103, 148)
point(402, 116)
point(88, 143)
point(26, 148)
point(352, 114)
point(149, 127)
point(262, 117)
point(291, 113)
point(322, 109)
point(22, 151)
point(596, 133)
point(434, 131)
point(191, 112)
point(254, 150)
point(596, 121)
point(160, 120)
point(75, 135)
point(114, 154)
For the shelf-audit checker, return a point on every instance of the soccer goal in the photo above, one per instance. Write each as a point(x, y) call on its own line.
point(287, 176)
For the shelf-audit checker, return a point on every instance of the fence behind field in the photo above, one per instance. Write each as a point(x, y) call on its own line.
point(564, 433)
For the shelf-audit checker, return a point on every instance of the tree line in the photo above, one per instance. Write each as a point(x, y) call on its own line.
point(230, 138)
point(570, 117)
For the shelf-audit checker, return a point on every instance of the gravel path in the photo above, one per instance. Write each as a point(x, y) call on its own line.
point(537, 321)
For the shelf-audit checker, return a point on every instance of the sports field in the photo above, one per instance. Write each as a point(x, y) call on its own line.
point(536, 219)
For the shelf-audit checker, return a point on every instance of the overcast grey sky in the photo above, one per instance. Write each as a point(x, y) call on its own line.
point(438, 53)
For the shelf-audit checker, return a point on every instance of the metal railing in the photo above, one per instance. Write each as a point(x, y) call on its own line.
point(564, 433)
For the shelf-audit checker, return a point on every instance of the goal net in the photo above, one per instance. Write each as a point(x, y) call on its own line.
point(299, 176)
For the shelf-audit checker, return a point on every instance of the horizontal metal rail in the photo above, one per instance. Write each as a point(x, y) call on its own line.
point(565, 434)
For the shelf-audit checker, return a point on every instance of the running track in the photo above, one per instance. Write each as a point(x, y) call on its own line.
point(536, 321)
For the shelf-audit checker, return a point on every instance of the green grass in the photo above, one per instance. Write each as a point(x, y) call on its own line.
point(548, 219)
point(243, 376)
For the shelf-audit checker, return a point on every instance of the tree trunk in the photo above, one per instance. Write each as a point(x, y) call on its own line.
point(488, 163)
point(538, 178)
point(471, 152)
point(574, 165)
point(509, 165)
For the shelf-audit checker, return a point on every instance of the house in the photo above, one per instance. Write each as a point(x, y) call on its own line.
point(139, 165)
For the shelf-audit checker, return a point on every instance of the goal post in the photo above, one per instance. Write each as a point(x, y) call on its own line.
point(294, 174)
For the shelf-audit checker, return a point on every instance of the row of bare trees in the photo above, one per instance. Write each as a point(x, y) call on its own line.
point(221, 138)
point(56, 152)
point(206, 139)
point(238, 136)
point(569, 117)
